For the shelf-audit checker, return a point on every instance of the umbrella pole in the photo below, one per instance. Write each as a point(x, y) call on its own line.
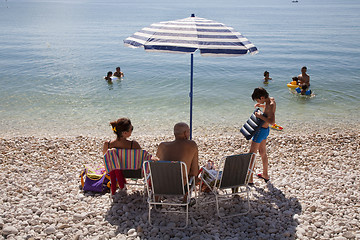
point(191, 93)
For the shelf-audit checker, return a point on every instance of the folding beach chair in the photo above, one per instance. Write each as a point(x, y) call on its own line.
point(128, 164)
point(232, 180)
point(168, 188)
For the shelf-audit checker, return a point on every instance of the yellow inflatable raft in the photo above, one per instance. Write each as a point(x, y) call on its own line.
point(292, 85)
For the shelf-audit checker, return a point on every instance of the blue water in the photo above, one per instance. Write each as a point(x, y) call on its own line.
point(54, 54)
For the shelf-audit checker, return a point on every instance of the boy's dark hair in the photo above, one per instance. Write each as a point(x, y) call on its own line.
point(266, 72)
point(258, 93)
point(295, 78)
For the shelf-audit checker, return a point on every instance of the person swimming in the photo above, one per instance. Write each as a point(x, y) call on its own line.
point(108, 76)
point(267, 77)
point(118, 73)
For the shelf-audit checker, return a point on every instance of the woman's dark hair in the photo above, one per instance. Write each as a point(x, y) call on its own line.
point(266, 72)
point(258, 93)
point(120, 126)
point(109, 74)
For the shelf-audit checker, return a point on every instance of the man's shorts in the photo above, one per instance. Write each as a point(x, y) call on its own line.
point(305, 87)
point(262, 134)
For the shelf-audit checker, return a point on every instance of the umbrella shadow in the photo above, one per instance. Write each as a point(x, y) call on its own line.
point(279, 212)
point(127, 211)
point(272, 216)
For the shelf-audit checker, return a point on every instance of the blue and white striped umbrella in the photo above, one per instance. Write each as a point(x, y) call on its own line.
point(189, 34)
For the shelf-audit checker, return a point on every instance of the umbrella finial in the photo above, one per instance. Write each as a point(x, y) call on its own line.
point(193, 15)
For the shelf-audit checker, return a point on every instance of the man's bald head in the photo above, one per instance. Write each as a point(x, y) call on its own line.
point(181, 130)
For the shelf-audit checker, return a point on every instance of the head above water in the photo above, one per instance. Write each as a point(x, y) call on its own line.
point(258, 93)
point(118, 69)
point(303, 69)
point(109, 74)
point(266, 73)
point(120, 126)
point(181, 131)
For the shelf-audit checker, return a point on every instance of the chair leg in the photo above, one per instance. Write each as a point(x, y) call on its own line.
point(217, 205)
point(150, 214)
point(248, 199)
point(187, 215)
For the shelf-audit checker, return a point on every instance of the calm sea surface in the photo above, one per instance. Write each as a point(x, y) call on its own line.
point(54, 54)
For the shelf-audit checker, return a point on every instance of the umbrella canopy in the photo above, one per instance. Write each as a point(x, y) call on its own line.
point(189, 34)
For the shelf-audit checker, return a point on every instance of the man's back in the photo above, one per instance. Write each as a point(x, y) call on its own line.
point(180, 150)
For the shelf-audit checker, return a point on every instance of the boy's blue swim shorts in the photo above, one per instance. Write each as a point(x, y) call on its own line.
point(262, 134)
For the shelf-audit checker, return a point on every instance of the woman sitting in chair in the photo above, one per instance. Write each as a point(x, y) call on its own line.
point(123, 129)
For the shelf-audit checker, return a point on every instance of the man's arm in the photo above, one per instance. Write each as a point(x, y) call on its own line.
point(159, 151)
point(194, 169)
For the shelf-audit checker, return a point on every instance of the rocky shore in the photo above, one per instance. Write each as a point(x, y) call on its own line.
point(314, 192)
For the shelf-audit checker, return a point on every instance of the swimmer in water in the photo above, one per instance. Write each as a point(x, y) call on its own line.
point(108, 76)
point(118, 73)
point(267, 77)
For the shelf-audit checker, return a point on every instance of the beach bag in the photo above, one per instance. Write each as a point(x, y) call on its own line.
point(210, 178)
point(95, 179)
point(252, 125)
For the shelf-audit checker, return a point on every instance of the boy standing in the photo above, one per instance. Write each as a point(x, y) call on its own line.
point(258, 143)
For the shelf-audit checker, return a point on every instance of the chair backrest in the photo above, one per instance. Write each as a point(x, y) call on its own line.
point(236, 170)
point(125, 159)
point(167, 177)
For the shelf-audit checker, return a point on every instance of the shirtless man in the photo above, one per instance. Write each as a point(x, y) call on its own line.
point(304, 80)
point(261, 96)
point(181, 149)
point(118, 73)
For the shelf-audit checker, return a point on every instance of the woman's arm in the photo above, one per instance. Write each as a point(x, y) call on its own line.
point(105, 147)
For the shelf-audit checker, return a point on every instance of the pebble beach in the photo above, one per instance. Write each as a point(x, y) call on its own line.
point(313, 193)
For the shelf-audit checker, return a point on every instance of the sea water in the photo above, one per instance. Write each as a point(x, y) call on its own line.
point(54, 55)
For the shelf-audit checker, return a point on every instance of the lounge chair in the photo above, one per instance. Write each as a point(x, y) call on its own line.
point(168, 187)
point(125, 163)
point(232, 180)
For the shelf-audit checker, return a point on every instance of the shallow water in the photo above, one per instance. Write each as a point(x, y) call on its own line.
point(54, 54)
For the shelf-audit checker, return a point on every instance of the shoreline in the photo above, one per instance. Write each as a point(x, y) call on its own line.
point(104, 131)
point(313, 191)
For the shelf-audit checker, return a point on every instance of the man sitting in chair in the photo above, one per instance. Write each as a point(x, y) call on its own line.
point(181, 149)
